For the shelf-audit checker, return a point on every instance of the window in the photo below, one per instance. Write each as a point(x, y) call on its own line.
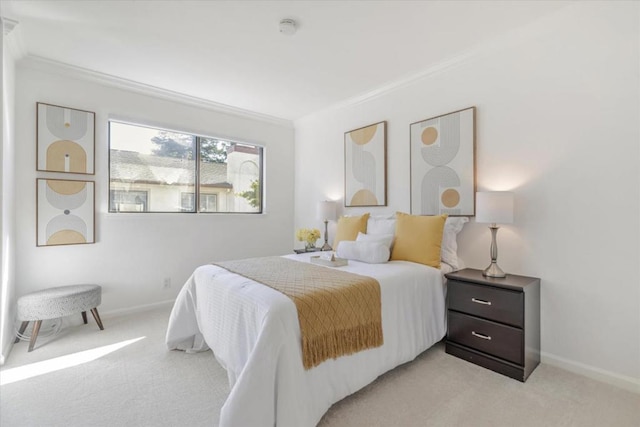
point(156, 170)
point(187, 201)
point(208, 202)
point(127, 201)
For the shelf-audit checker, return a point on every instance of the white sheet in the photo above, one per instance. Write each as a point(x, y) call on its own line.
point(254, 333)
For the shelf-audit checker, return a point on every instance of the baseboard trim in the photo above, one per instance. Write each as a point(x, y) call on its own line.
point(622, 381)
point(6, 352)
point(106, 314)
point(136, 309)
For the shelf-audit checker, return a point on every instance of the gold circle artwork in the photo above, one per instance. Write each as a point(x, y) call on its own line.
point(363, 136)
point(450, 198)
point(66, 187)
point(364, 198)
point(66, 156)
point(66, 237)
point(429, 135)
point(67, 125)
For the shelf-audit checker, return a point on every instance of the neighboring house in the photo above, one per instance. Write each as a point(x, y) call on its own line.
point(147, 182)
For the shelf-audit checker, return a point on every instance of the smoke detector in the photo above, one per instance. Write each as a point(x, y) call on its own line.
point(288, 26)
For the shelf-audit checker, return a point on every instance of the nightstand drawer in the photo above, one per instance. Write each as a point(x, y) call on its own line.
point(493, 338)
point(501, 305)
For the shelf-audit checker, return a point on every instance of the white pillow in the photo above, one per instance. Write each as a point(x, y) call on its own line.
point(449, 247)
point(385, 239)
point(369, 252)
point(381, 225)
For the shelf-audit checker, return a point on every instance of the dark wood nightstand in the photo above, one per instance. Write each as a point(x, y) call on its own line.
point(494, 323)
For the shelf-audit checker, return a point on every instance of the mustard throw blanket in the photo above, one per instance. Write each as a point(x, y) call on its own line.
point(339, 313)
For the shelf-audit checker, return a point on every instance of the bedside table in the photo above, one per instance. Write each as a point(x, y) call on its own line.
point(494, 322)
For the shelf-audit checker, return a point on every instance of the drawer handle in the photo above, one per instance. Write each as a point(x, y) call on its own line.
point(480, 301)
point(484, 337)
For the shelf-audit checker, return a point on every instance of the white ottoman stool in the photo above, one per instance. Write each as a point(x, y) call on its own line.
point(58, 302)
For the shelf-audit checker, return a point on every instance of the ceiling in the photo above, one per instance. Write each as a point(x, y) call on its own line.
point(232, 53)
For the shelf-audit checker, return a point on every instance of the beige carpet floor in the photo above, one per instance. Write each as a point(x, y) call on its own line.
point(124, 376)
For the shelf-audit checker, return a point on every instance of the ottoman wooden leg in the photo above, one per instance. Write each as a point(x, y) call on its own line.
point(34, 334)
point(96, 316)
point(84, 317)
point(23, 327)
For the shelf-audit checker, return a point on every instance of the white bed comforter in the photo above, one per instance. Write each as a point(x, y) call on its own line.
point(254, 333)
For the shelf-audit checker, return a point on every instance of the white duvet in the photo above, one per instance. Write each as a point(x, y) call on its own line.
point(254, 333)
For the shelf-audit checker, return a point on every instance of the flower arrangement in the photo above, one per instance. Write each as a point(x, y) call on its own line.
point(308, 235)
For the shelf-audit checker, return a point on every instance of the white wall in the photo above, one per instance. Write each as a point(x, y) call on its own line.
point(135, 252)
point(558, 123)
point(7, 198)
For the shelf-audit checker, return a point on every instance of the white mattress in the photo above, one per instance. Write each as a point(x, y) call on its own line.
point(254, 333)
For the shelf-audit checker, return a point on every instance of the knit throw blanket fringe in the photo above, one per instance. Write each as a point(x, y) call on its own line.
point(339, 312)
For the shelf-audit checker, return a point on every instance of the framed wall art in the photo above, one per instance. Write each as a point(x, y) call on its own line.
point(365, 166)
point(443, 164)
point(64, 212)
point(65, 139)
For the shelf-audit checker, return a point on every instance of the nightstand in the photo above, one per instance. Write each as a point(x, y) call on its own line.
point(494, 323)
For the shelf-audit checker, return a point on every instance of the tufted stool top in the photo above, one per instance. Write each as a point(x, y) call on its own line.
point(58, 302)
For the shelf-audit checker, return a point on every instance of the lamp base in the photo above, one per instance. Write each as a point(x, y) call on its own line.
point(493, 271)
point(326, 246)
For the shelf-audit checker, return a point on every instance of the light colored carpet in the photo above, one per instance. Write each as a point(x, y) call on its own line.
point(143, 384)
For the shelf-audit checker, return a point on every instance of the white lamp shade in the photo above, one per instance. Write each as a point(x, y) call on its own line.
point(495, 207)
point(326, 210)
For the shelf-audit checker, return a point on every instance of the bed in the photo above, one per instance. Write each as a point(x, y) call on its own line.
point(254, 334)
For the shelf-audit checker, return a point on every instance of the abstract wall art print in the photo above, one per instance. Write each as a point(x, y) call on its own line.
point(365, 166)
point(65, 212)
point(443, 164)
point(65, 139)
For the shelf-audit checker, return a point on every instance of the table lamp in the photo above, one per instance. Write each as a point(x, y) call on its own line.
point(494, 207)
point(326, 212)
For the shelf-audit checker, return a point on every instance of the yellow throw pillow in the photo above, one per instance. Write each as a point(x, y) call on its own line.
point(418, 239)
point(349, 227)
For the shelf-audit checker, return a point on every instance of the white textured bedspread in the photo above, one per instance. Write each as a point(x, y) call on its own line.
point(254, 333)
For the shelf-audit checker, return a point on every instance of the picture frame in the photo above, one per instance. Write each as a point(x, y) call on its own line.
point(443, 178)
point(65, 212)
point(365, 166)
point(65, 139)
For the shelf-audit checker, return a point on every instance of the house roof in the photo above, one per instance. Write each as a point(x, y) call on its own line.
point(131, 166)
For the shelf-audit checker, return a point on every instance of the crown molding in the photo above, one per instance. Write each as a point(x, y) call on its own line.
point(12, 33)
point(501, 42)
point(49, 65)
point(8, 25)
point(509, 39)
